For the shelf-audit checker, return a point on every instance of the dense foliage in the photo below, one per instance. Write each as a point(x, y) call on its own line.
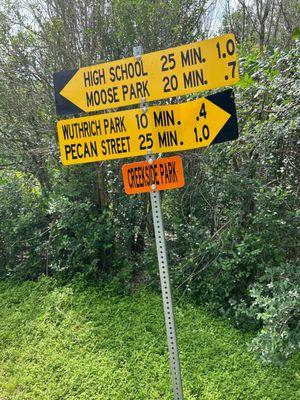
point(83, 342)
point(238, 227)
point(233, 231)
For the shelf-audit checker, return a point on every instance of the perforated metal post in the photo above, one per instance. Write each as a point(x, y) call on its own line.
point(166, 293)
point(163, 270)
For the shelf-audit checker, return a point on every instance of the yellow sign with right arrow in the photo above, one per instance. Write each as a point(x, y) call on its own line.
point(161, 129)
point(162, 74)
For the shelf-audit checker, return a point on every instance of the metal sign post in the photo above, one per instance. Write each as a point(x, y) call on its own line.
point(163, 270)
point(166, 293)
point(166, 290)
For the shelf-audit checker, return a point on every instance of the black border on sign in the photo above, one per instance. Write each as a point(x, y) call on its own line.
point(225, 100)
point(64, 106)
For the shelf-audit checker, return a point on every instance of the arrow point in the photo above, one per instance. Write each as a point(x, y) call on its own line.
point(63, 105)
point(225, 101)
point(73, 91)
point(218, 120)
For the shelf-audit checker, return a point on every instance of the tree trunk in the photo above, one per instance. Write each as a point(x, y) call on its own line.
point(100, 188)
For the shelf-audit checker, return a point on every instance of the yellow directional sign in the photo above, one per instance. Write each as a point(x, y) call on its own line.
point(172, 72)
point(161, 129)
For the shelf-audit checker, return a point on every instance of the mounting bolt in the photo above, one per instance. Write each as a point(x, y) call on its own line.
point(144, 105)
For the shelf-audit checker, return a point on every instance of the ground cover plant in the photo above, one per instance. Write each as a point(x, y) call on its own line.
point(86, 343)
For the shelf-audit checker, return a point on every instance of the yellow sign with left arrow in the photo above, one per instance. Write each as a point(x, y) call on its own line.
point(162, 74)
point(161, 129)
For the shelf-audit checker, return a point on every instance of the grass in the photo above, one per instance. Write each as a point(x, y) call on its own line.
point(75, 342)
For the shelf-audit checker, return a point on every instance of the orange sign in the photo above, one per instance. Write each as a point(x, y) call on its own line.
point(147, 176)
